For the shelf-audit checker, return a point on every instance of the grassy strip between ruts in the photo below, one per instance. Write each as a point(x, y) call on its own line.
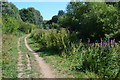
point(35, 72)
point(61, 65)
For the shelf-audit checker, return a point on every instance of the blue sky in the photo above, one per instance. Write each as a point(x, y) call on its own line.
point(47, 9)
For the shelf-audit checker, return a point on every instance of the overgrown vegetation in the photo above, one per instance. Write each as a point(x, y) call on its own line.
point(101, 58)
point(86, 22)
point(52, 39)
point(11, 25)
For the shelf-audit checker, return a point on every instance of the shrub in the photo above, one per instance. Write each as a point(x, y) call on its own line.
point(56, 40)
point(10, 25)
point(26, 27)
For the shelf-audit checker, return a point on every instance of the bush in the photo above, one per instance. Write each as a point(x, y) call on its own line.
point(26, 27)
point(10, 25)
point(52, 39)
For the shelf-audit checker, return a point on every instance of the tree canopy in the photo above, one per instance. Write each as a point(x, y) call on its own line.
point(31, 15)
point(91, 20)
point(13, 22)
point(10, 10)
point(61, 13)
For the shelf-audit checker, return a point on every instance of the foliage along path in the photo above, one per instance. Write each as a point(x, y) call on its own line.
point(44, 68)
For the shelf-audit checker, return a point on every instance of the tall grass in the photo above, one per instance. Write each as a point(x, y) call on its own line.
point(9, 56)
point(52, 39)
point(100, 58)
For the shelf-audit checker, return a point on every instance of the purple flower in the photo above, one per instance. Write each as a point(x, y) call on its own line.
point(100, 43)
point(108, 42)
point(88, 41)
point(107, 47)
point(105, 43)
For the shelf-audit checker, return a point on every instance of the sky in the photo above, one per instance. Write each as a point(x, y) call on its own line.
point(47, 9)
point(41, 0)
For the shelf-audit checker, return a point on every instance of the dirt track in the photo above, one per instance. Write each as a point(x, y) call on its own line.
point(44, 68)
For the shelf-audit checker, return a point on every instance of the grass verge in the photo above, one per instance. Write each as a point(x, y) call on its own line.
point(9, 56)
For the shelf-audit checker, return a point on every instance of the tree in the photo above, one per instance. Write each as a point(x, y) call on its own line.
point(32, 16)
point(91, 20)
point(60, 13)
point(55, 19)
point(11, 10)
